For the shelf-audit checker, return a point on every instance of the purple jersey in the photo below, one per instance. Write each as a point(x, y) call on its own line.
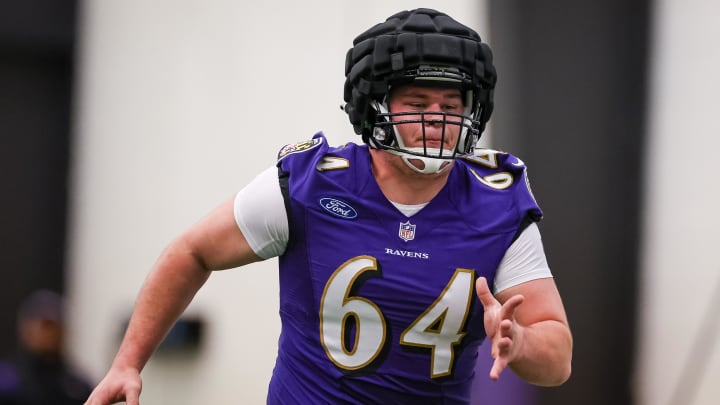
point(377, 307)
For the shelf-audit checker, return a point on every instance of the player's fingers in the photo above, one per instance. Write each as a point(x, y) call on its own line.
point(500, 353)
point(132, 397)
point(503, 346)
point(96, 399)
point(508, 308)
point(497, 368)
point(506, 328)
point(484, 294)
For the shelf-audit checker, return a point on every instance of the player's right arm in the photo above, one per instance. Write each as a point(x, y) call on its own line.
point(214, 243)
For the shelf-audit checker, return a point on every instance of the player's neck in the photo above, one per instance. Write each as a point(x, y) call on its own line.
point(401, 184)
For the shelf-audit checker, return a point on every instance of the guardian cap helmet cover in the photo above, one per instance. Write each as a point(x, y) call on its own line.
point(421, 46)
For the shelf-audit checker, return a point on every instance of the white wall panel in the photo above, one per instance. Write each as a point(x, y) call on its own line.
point(680, 262)
point(179, 104)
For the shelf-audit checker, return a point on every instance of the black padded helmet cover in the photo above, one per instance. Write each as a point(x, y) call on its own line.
point(393, 51)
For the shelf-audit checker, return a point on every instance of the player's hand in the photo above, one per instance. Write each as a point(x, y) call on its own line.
point(504, 332)
point(117, 386)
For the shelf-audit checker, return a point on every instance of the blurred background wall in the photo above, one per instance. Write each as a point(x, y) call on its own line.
point(679, 305)
point(37, 42)
point(571, 103)
point(124, 122)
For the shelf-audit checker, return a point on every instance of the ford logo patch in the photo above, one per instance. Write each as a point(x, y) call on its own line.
point(338, 208)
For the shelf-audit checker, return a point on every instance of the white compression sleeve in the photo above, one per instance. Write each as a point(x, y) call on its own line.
point(260, 214)
point(524, 261)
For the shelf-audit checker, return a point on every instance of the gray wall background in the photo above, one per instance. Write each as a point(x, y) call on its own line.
point(571, 103)
point(135, 115)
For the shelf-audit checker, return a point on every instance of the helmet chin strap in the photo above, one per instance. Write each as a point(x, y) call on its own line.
point(422, 164)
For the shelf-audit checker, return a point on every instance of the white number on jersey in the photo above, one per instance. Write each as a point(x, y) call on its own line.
point(488, 158)
point(439, 328)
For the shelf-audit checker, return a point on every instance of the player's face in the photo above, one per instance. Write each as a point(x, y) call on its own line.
point(436, 130)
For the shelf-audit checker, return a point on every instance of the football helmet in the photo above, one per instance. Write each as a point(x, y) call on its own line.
point(421, 46)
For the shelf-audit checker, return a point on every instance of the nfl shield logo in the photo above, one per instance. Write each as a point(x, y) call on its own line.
point(407, 231)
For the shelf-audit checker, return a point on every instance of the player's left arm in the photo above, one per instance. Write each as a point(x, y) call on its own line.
point(529, 331)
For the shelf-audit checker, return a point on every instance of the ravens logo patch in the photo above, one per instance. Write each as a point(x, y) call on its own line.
point(298, 147)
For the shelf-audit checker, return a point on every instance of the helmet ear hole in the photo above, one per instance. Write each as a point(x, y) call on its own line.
point(381, 136)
